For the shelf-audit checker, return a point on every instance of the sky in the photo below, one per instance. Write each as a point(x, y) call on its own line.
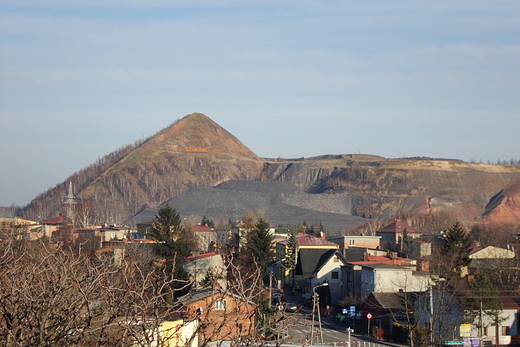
point(79, 79)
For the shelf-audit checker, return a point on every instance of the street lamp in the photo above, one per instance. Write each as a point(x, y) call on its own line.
point(316, 306)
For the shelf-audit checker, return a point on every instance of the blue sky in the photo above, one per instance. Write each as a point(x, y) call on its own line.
point(79, 79)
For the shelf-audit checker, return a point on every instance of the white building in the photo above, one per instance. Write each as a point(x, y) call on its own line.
point(386, 278)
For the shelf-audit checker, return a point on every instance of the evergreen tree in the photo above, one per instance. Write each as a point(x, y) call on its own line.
point(456, 250)
point(259, 244)
point(172, 245)
point(291, 252)
point(207, 222)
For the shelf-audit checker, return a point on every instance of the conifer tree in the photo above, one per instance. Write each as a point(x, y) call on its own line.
point(172, 244)
point(456, 250)
point(291, 253)
point(259, 244)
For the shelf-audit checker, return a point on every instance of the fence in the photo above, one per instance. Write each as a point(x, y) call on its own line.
point(356, 343)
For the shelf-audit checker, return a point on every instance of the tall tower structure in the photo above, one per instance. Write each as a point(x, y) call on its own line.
point(69, 203)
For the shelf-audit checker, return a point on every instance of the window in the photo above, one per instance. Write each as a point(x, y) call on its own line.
point(506, 330)
point(335, 275)
point(220, 305)
point(352, 242)
point(485, 331)
point(336, 259)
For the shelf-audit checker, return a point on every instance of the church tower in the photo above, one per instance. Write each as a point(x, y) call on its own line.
point(69, 203)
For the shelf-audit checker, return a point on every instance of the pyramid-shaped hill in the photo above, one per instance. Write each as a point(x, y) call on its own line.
point(195, 133)
point(193, 152)
point(279, 202)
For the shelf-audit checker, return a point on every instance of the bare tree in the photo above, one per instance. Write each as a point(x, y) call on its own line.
point(50, 296)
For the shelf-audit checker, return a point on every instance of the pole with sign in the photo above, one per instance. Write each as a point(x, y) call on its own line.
point(369, 317)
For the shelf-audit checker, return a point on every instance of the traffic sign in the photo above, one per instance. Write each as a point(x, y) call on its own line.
point(369, 315)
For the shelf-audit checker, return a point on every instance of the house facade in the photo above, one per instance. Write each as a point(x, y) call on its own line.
point(379, 278)
point(316, 267)
point(222, 315)
point(208, 264)
point(305, 242)
point(382, 274)
point(345, 242)
point(393, 232)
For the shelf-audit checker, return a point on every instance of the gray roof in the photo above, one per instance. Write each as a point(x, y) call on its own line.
point(399, 302)
point(202, 294)
point(310, 261)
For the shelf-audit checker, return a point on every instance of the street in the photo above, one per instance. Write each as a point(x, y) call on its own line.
point(299, 330)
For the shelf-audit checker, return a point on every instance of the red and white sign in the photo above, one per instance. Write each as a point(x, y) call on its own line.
point(369, 316)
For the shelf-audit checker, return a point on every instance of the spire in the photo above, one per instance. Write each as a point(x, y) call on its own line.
point(70, 201)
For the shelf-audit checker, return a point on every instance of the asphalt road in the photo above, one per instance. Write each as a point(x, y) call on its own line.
point(300, 330)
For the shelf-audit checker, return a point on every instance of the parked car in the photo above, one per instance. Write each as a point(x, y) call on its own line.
point(292, 307)
point(278, 297)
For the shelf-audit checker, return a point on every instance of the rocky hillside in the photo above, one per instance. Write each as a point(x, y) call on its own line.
point(195, 156)
point(386, 186)
point(505, 206)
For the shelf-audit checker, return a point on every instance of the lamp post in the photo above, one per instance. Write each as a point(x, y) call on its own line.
point(316, 306)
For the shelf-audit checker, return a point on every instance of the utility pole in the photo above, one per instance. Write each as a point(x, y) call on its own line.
point(316, 306)
point(431, 315)
point(481, 330)
point(432, 319)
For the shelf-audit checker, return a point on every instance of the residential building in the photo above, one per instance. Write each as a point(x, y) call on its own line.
point(348, 241)
point(23, 228)
point(179, 333)
point(58, 228)
point(317, 266)
point(382, 274)
point(449, 314)
point(393, 232)
point(305, 241)
point(387, 309)
point(205, 239)
point(222, 315)
point(201, 266)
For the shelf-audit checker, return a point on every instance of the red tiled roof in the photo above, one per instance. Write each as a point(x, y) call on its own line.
point(506, 301)
point(382, 259)
point(58, 220)
point(205, 255)
point(310, 240)
point(398, 226)
point(476, 249)
point(202, 228)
